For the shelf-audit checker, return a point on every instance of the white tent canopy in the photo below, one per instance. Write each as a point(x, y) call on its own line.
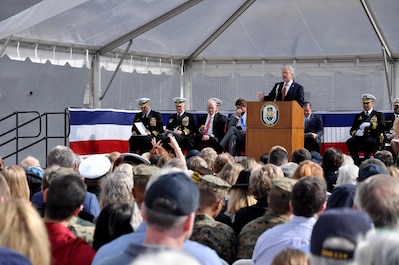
point(213, 38)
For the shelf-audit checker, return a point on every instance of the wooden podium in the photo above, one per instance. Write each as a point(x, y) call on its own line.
point(274, 123)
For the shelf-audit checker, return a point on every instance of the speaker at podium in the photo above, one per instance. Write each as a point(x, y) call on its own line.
point(271, 123)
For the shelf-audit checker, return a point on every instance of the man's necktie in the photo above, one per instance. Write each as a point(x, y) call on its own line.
point(306, 122)
point(284, 91)
point(243, 126)
point(208, 125)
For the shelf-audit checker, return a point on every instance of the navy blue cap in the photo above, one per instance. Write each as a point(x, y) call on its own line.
point(343, 223)
point(342, 196)
point(11, 257)
point(370, 170)
point(174, 193)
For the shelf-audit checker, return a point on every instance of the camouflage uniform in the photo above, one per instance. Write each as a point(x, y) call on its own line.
point(82, 228)
point(251, 231)
point(215, 235)
point(280, 192)
point(209, 232)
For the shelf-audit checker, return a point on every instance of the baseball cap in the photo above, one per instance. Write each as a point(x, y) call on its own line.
point(282, 188)
point(343, 223)
point(370, 170)
point(342, 196)
point(214, 184)
point(173, 194)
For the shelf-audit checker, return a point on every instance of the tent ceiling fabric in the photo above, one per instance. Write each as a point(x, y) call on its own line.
point(266, 30)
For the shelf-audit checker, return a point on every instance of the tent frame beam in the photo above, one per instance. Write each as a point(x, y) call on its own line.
point(219, 31)
point(146, 27)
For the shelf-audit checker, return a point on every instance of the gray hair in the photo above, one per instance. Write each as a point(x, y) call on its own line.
point(117, 187)
point(62, 156)
point(347, 174)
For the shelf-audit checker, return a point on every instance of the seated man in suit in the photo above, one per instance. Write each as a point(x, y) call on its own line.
point(181, 124)
point(285, 91)
point(237, 127)
point(366, 129)
point(392, 129)
point(152, 126)
point(211, 127)
point(313, 129)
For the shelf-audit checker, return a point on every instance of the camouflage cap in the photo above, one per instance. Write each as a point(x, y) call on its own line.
point(142, 172)
point(62, 171)
point(214, 184)
point(282, 187)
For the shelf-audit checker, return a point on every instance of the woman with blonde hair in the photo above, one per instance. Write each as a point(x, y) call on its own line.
point(17, 182)
point(23, 230)
point(230, 172)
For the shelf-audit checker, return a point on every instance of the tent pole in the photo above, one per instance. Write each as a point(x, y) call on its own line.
point(96, 81)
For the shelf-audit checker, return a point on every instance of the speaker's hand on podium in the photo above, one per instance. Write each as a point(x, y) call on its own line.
point(260, 95)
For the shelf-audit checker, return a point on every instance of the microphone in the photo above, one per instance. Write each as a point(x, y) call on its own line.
point(277, 88)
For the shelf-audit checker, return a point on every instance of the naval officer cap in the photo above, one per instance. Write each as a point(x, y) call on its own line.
point(396, 102)
point(94, 166)
point(179, 101)
point(218, 101)
point(366, 98)
point(142, 102)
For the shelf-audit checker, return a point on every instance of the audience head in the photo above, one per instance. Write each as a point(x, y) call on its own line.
point(62, 156)
point(221, 160)
point(290, 256)
point(230, 172)
point(308, 168)
point(260, 181)
point(141, 175)
point(385, 156)
point(113, 221)
point(278, 156)
point(117, 188)
point(4, 189)
point(347, 174)
point(240, 195)
point(333, 159)
point(17, 182)
point(367, 170)
point(300, 155)
point(379, 248)
point(196, 162)
point(264, 158)
point(308, 196)
point(23, 230)
point(212, 192)
point(289, 169)
point(248, 163)
point(176, 162)
point(209, 155)
point(342, 196)
point(335, 235)
point(280, 195)
point(171, 199)
point(64, 198)
point(393, 171)
point(379, 197)
point(30, 161)
point(34, 175)
point(163, 159)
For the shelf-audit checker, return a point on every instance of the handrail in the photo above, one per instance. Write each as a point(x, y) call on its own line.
point(42, 127)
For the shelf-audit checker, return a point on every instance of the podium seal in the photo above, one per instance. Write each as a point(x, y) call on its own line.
point(270, 114)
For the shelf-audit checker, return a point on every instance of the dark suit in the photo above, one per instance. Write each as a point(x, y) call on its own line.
point(314, 125)
point(371, 137)
point(295, 92)
point(184, 123)
point(219, 128)
point(152, 122)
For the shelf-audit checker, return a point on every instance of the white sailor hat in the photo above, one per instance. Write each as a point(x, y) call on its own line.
point(366, 98)
point(142, 102)
point(396, 102)
point(94, 166)
point(218, 101)
point(179, 101)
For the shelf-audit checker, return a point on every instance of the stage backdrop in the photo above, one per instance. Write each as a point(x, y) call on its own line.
point(96, 131)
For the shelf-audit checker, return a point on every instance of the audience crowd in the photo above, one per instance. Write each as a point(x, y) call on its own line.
point(200, 207)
